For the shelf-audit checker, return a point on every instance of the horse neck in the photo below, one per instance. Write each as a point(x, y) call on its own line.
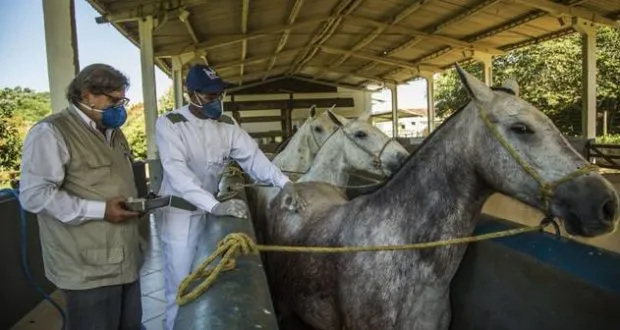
point(437, 193)
point(298, 154)
point(329, 164)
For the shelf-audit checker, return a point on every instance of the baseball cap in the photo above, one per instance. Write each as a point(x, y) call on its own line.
point(204, 79)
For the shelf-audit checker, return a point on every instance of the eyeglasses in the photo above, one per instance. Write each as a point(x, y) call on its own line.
point(117, 100)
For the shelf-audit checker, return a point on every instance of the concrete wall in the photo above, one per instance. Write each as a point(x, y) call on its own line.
point(508, 208)
point(17, 296)
point(535, 281)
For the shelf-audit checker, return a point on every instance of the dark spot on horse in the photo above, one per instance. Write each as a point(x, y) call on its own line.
point(318, 129)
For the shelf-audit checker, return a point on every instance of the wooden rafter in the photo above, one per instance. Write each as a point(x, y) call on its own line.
point(223, 41)
point(415, 67)
point(391, 20)
point(524, 19)
point(568, 10)
point(343, 8)
point(431, 30)
point(284, 37)
point(255, 59)
point(350, 74)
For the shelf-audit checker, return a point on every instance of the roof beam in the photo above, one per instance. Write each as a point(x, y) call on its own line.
point(420, 35)
point(227, 40)
point(284, 37)
point(352, 74)
point(245, 8)
point(415, 67)
point(252, 60)
point(573, 11)
point(524, 19)
point(343, 8)
point(417, 37)
point(255, 75)
point(394, 19)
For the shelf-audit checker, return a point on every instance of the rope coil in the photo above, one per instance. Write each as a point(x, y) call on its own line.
point(238, 244)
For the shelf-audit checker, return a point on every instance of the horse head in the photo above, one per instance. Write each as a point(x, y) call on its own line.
point(364, 147)
point(521, 153)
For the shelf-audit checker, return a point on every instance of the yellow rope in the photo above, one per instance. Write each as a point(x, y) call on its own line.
point(235, 244)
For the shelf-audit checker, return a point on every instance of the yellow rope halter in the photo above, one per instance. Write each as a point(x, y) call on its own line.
point(546, 188)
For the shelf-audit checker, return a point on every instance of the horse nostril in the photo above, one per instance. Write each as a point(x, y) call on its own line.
point(608, 211)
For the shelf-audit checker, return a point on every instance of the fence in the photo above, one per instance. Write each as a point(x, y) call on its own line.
point(604, 155)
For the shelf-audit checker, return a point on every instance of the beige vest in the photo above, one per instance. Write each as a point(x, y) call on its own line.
point(96, 253)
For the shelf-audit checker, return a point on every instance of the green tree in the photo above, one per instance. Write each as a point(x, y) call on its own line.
point(549, 76)
point(10, 139)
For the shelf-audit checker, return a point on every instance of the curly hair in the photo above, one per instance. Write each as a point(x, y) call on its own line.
point(98, 79)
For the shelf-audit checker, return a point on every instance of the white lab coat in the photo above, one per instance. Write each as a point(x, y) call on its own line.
point(194, 154)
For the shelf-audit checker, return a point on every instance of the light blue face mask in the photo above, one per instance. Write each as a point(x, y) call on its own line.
point(212, 110)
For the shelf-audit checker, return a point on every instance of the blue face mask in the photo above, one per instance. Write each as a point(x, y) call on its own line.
point(213, 109)
point(112, 116)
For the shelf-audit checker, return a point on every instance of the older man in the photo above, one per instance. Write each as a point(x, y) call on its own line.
point(76, 174)
point(195, 145)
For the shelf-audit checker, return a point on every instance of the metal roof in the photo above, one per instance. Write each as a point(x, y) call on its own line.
point(347, 42)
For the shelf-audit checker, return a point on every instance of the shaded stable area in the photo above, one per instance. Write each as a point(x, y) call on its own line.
point(530, 281)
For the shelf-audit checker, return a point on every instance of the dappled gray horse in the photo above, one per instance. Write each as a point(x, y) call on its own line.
point(496, 143)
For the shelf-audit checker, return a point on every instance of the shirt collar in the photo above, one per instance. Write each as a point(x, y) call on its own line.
point(84, 117)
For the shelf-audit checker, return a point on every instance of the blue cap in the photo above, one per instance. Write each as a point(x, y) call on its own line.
point(203, 79)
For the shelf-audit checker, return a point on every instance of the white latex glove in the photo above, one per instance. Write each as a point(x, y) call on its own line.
point(232, 207)
point(293, 200)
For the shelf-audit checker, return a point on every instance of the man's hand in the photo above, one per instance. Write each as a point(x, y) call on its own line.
point(232, 207)
point(115, 211)
point(293, 200)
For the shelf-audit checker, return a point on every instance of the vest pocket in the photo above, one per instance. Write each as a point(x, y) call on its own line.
point(102, 263)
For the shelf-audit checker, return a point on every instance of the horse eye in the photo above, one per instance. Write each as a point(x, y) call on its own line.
point(318, 129)
point(521, 128)
point(360, 134)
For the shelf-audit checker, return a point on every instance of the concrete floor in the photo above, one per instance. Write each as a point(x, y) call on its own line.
point(45, 316)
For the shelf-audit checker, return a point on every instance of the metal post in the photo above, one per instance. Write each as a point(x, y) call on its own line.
point(588, 40)
point(487, 66)
point(61, 48)
point(147, 61)
point(394, 93)
point(430, 101)
point(177, 81)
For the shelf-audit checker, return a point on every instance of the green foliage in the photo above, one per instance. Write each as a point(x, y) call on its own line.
point(608, 139)
point(549, 76)
point(166, 102)
point(134, 130)
point(10, 140)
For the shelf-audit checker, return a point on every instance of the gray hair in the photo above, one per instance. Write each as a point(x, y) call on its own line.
point(98, 79)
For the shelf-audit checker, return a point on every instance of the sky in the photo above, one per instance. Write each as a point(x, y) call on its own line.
point(23, 59)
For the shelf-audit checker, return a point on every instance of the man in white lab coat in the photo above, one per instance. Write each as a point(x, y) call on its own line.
point(194, 148)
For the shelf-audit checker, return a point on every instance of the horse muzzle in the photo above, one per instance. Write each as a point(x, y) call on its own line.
point(588, 206)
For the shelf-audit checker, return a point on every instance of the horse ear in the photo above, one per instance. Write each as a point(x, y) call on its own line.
point(313, 111)
point(475, 88)
point(364, 117)
point(511, 84)
point(334, 117)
